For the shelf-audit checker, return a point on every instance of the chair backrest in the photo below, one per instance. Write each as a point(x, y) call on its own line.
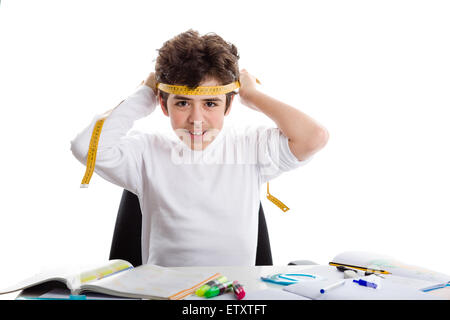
point(126, 242)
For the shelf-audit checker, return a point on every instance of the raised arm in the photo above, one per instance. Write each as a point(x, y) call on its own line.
point(118, 155)
point(305, 135)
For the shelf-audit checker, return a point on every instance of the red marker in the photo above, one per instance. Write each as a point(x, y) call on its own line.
point(238, 290)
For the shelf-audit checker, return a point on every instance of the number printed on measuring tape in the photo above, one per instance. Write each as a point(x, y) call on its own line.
point(92, 153)
point(93, 145)
point(213, 90)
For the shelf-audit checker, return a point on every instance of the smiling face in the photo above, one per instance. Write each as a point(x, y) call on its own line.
point(197, 119)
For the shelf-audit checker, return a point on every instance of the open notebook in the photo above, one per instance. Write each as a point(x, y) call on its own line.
point(120, 278)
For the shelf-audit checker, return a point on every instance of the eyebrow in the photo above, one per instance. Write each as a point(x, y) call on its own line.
point(186, 98)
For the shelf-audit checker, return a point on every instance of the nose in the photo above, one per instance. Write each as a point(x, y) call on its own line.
point(196, 114)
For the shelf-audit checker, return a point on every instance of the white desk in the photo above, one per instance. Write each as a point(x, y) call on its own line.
point(9, 296)
point(256, 289)
point(249, 277)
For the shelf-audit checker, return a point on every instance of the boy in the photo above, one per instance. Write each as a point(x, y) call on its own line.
point(199, 191)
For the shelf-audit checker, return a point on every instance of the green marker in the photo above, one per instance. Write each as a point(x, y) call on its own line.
point(219, 289)
point(204, 288)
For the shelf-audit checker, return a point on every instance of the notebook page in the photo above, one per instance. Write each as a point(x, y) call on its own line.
point(149, 281)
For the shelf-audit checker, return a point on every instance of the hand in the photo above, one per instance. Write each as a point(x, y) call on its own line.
point(151, 82)
point(247, 88)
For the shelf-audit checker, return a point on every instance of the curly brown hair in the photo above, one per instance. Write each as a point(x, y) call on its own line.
point(188, 59)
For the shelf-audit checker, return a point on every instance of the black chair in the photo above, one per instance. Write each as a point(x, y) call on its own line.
point(126, 242)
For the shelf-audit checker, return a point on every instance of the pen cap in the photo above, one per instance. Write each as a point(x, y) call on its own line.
point(212, 292)
point(366, 283)
point(238, 290)
point(203, 289)
point(219, 289)
point(348, 274)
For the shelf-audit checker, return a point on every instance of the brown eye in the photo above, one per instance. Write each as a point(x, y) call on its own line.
point(211, 104)
point(181, 103)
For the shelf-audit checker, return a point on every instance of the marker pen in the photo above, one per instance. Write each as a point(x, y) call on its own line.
point(332, 286)
point(201, 291)
point(219, 289)
point(436, 286)
point(365, 283)
point(238, 290)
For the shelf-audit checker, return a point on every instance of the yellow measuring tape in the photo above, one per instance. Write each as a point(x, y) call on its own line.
point(277, 202)
point(93, 145)
point(92, 153)
point(212, 90)
point(199, 91)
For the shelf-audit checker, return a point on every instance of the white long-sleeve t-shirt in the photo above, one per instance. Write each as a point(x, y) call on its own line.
point(199, 208)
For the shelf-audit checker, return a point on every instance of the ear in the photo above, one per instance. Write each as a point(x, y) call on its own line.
point(161, 103)
point(229, 107)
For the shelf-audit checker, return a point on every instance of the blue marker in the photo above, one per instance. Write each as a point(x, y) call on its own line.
point(365, 283)
point(436, 286)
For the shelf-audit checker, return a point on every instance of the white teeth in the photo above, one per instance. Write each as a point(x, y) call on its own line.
point(196, 134)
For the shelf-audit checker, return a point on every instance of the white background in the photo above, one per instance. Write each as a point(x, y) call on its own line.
point(374, 73)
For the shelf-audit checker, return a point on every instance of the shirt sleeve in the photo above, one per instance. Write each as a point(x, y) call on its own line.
point(119, 156)
point(274, 155)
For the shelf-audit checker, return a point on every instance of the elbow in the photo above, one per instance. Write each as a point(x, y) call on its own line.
point(322, 138)
point(78, 151)
point(319, 140)
point(304, 150)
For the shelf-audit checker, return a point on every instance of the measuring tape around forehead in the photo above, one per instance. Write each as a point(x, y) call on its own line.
point(199, 91)
point(93, 146)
